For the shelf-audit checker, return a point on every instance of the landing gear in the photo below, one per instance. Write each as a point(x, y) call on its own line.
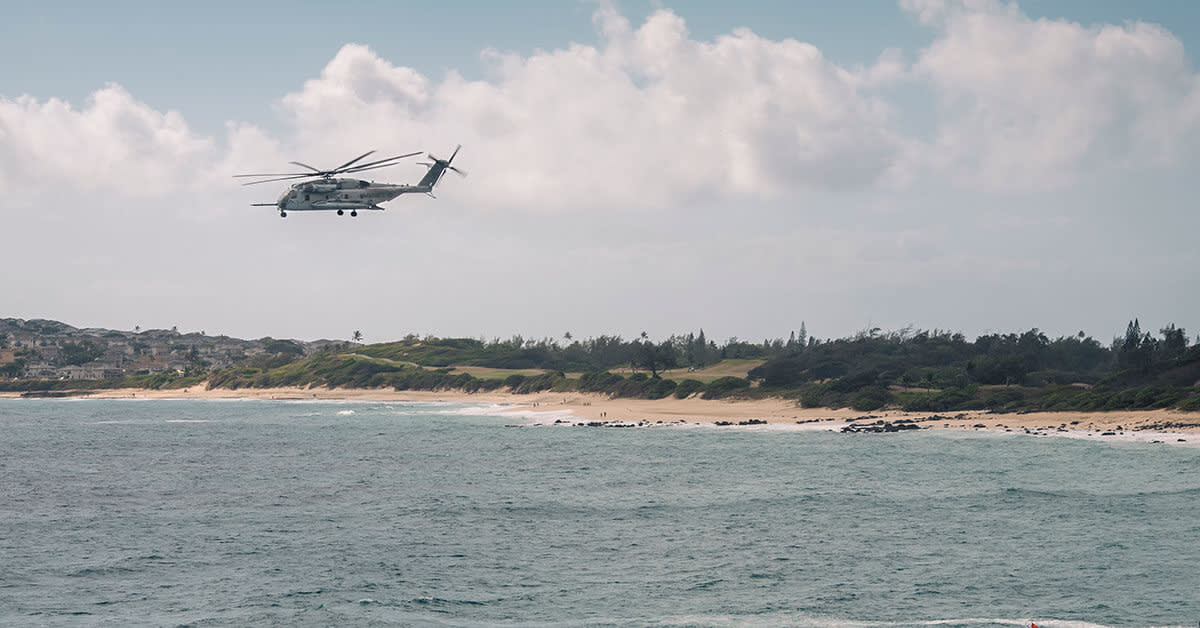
point(340, 212)
point(353, 213)
point(283, 214)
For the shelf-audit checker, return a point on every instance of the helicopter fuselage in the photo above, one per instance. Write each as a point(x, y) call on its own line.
point(322, 191)
point(343, 194)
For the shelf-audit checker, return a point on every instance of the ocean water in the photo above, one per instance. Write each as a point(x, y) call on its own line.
point(241, 513)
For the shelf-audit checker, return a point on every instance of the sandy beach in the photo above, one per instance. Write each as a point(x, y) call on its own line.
point(590, 408)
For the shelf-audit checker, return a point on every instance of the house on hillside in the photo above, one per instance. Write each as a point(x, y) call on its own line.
point(90, 371)
point(41, 370)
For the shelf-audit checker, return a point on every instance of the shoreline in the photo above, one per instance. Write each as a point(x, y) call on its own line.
point(597, 409)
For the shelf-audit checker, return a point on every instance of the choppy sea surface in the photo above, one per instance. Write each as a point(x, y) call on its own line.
point(241, 513)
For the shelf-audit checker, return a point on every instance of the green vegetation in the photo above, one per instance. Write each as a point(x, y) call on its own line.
point(926, 371)
point(283, 347)
point(74, 353)
point(157, 381)
point(13, 369)
point(688, 387)
point(487, 372)
point(940, 371)
point(725, 387)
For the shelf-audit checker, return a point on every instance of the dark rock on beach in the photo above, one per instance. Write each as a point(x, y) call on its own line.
point(881, 426)
point(1166, 426)
point(747, 422)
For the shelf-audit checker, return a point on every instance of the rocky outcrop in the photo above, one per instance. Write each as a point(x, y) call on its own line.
point(882, 426)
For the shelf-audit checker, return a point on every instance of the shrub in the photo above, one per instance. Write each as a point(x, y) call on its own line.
point(870, 398)
point(1009, 398)
point(659, 388)
point(941, 401)
point(599, 381)
point(725, 387)
point(780, 372)
point(688, 387)
point(1191, 404)
point(632, 387)
point(538, 383)
point(284, 346)
point(857, 381)
point(816, 396)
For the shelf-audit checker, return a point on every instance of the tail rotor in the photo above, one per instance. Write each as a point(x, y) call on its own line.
point(437, 168)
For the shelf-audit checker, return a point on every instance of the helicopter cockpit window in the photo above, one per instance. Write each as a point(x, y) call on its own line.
point(364, 184)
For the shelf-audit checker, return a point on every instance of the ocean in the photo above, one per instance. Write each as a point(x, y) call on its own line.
point(253, 513)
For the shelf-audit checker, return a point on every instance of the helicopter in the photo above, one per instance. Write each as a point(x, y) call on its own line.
point(320, 190)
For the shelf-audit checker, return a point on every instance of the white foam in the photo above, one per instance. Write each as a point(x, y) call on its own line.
point(534, 416)
point(483, 409)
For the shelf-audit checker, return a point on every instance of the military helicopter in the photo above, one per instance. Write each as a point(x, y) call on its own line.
point(323, 192)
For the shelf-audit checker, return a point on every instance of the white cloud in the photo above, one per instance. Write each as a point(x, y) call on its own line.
point(1030, 104)
point(114, 143)
point(936, 11)
point(862, 221)
point(649, 118)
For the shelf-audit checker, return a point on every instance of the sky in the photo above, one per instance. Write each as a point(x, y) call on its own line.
point(967, 165)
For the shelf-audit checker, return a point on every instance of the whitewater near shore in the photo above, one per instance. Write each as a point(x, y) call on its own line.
point(597, 409)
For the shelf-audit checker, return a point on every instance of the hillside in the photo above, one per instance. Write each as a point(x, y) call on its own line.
point(919, 371)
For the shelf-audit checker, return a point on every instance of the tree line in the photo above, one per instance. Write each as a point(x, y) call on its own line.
point(923, 370)
point(602, 352)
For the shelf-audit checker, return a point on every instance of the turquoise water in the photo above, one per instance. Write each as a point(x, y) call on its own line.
point(211, 513)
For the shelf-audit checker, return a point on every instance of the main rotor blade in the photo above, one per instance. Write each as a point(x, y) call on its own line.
point(456, 149)
point(372, 164)
point(306, 166)
point(352, 161)
point(379, 164)
point(275, 174)
point(365, 169)
point(295, 176)
point(349, 166)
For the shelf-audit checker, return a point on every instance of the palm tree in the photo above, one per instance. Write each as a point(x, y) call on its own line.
point(357, 337)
